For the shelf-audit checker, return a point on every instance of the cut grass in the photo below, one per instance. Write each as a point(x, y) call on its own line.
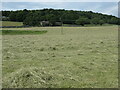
point(21, 32)
point(10, 23)
point(82, 57)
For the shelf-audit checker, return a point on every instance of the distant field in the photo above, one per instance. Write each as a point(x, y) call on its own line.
point(10, 23)
point(81, 57)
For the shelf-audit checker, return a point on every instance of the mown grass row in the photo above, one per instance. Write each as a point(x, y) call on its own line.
point(21, 32)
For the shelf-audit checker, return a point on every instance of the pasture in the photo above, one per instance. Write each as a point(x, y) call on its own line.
point(10, 23)
point(81, 57)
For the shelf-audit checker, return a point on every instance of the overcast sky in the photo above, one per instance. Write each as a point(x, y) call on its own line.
point(110, 8)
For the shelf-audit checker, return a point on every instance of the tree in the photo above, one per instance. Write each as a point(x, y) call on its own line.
point(51, 18)
point(101, 22)
point(12, 17)
point(69, 17)
point(113, 20)
point(95, 21)
point(82, 21)
point(18, 15)
point(57, 15)
point(118, 21)
point(31, 20)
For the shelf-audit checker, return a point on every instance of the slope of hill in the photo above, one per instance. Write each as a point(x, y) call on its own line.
point(52, 17)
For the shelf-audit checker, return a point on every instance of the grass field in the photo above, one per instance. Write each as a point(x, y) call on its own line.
point(82, 57)
point(10, 23)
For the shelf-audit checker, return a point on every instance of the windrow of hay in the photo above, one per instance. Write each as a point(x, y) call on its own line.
point(28, 77)
point(33, 77)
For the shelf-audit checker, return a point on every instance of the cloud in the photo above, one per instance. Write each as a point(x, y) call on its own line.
point(60, 0)
point(101, 7)
point(111, 10)
point(107, 8)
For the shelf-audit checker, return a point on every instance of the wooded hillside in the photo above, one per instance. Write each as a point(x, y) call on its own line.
point(55, 17)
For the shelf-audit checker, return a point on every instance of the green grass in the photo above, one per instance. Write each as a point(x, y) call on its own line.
point(21, 32)
point(90, 25)
point(10, 23)
point(83, 57)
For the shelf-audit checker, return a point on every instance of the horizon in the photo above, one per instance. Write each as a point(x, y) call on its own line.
point(107, 8)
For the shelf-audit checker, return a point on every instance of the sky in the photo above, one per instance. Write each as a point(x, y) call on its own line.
point(60, 0)
point(110, 8)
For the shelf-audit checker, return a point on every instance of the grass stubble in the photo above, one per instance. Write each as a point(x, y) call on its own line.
point(83, 57)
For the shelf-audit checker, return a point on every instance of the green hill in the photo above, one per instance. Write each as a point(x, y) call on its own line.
point(57, 17)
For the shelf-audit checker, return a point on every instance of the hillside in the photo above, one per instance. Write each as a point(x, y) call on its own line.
point(57, 17)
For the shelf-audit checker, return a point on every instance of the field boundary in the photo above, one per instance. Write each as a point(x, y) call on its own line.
point(25, 32)
point(14, 26)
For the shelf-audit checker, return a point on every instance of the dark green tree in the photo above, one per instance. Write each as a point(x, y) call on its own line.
point(113, 20)
point(82, 21)
point(95, 21)
point(12, 17)
point(31, 20)
point(101, 22)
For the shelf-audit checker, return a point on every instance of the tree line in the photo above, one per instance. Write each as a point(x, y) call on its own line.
point(35, 17)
